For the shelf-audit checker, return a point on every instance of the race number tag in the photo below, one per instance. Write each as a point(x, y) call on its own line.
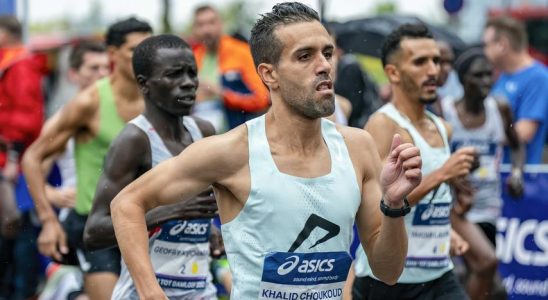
point(429, 237)
point(180, 254)
point(293, 276)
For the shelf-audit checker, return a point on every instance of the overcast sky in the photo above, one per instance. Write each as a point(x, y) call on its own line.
point(43, 10)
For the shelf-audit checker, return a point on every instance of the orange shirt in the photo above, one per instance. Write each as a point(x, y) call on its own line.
point(242, 87)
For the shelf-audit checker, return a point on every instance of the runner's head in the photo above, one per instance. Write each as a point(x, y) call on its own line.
point(166, 73)
point(411, 62)
point(292, 52)
point(447, 58)
point(475, 73)
point(88, 62)
point(121, 38)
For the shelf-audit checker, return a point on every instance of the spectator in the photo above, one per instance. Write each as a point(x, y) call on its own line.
point(523, 81)
point(93, 118)
point(230, 91)
point(21, 117)
point(354, 84)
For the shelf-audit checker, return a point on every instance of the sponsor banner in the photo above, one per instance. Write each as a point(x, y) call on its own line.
point(289, 275)
point(522, 238)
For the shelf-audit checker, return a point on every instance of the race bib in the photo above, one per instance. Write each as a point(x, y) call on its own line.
point(293, 276)
point(429, 237)
point(489, 159)
point(488, 169)
point(180, 254)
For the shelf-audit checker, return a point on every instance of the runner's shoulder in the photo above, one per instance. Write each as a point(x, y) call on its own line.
point(205, 126)
point(86, 101)
point(228, 150)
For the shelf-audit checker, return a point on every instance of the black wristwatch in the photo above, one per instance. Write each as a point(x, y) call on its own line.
point(397, 212)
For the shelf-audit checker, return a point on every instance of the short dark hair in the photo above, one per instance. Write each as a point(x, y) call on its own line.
point(76, 58)
point(393, 41)
point(202, 8)
point(145, 52)
point(116, 34)
point(265, 46)
point(465, 60)
point(12, 26)
point(512, 29)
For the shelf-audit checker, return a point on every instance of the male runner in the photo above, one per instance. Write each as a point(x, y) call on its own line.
point(88, 63)
point(94, 118)
point(411, 62)
point(280, 176)
point(166, 71)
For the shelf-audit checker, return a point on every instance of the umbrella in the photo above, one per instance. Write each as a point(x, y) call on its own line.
point(366, 36)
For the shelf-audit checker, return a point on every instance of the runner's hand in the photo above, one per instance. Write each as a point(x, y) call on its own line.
point(514, 182)
point(460, 163)
point(216, 244)
point(458, 246)
point(202, 206)
point(52, 241)
point(401, 173)
point(464, 193)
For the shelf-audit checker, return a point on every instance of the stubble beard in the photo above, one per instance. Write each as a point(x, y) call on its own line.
point(305, 105)
point(411, 88)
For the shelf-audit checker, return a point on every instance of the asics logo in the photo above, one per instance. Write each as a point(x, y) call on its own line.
point(189, 228)
point(306, 266)
point(436, 212)
point(288, 266)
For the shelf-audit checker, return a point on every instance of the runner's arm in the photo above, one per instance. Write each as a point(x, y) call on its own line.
point(384, 239)
point(382, 129)
point(517, 150)
point(122, 166)
point(178, 179)
point(127, 158)
point(55, 134)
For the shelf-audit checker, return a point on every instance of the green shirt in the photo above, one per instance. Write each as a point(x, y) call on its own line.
point(89, 155)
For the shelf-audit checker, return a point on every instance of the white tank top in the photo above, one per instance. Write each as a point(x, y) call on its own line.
point(488, 140)
point(179, 249)
point(428, 226)
point(67, 166)
point(292, 237)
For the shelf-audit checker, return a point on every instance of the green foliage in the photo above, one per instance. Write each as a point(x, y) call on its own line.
point(386, 8)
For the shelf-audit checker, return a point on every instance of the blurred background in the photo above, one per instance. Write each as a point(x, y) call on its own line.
point(52, 27)
point(360, 26)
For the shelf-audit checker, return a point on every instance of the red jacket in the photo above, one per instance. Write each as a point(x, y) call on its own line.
point(242, 87)
point(21, 96)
